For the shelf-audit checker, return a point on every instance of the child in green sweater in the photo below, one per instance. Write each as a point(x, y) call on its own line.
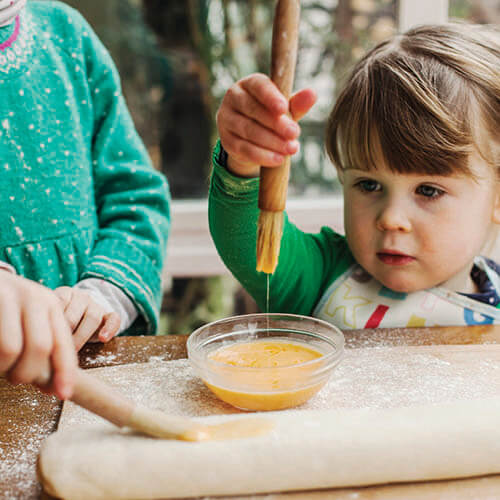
point(84, 216)
point(414, 138)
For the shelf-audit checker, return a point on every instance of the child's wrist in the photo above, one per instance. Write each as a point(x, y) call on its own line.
point(233, 166)
point(241, 170)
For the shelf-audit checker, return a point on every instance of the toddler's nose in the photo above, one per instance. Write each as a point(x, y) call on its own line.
point(392, 217)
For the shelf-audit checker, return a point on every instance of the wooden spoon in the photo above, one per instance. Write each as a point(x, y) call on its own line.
point(103, 400)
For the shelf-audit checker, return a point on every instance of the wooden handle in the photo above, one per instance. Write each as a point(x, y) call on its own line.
point(101, 399)
point(274, 181)
point(97, 397)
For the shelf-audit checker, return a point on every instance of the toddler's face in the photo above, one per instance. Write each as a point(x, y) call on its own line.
point(416, 231)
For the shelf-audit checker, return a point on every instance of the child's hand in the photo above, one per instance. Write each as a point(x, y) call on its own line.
point(254, 127)
point(35, 339)
point(87, 319)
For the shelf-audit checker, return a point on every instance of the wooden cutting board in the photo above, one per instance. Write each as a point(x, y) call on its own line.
point(380, 377)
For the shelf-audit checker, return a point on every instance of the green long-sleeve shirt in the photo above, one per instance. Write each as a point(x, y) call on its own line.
point(305, 280)
point(79, 197)
point(307, 264)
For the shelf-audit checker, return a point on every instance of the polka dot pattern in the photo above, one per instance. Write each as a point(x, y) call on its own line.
point(80, 197)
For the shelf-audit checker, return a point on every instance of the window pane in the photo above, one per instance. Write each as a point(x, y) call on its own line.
point(477, 11)
point(177, 59)
point(333, 34)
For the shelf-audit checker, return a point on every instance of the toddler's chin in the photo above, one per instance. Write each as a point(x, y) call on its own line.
point(401, 286)
point(402, 280)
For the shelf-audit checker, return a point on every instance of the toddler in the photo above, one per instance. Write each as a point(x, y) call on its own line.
point(414, 136)
point(84, 217)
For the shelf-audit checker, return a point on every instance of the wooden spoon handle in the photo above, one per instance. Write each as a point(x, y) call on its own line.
point(103, 400)
point(100, 398)
point(274, 181)
point(96, 396)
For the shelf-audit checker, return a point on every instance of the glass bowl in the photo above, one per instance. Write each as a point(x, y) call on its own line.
point(269, 387)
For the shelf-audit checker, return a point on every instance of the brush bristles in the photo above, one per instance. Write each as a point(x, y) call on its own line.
point(269, 233)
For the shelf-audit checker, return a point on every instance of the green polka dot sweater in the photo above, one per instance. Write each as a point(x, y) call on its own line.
point(79, 197)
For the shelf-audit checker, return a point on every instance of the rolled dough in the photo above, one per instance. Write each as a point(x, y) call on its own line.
point(317, 449)
point(403, 433)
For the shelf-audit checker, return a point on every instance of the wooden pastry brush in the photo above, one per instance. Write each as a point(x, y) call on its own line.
point(98, 397)
point(274, 181)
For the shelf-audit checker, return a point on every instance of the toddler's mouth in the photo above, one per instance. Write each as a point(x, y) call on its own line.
point(394, 258)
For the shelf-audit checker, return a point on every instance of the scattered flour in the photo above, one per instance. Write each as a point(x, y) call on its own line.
point(18, 465)
point(102, 359)
point(376, 378)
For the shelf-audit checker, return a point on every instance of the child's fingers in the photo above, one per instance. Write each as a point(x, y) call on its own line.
point(44, 380)
point(247, 106)
point(64, 360)
point(94, 339)
point(246, 152)
point(11, 336)
point(64, 293)
point(110, 327)
point(265, 91)
point(89, 324)
point(37, 347)
point(76, 308)
point(301, 102)
point(251, 131)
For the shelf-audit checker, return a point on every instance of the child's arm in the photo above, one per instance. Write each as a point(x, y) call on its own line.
point(35, 338)
point(252, 126)
point(132, 198)
point(307, 263)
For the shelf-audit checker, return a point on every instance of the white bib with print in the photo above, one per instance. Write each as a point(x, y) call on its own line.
point(356, 300)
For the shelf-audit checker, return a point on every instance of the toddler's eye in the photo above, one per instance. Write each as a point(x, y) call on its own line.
point(368, 185)
point(429, 191)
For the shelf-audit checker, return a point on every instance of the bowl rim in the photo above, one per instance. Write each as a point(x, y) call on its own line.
point(330, 358)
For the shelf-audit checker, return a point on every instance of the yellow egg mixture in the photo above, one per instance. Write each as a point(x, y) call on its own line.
point(266, 388)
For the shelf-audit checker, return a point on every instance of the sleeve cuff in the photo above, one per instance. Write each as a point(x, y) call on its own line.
point(111, 299)
point(227, 181)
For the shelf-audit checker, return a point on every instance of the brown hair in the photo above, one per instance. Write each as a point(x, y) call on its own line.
point(425, 100)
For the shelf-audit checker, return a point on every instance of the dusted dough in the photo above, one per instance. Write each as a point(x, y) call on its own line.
point(387, 414)
point(306, 450)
